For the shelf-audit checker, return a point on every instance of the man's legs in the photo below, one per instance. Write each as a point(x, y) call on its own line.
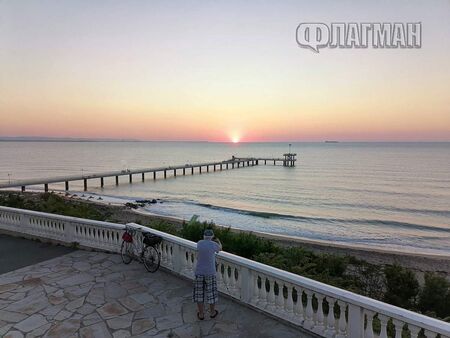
point(212, 295)
point(201, 310)
point(199, 295)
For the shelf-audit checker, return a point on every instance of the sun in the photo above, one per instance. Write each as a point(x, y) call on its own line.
point(235, 139)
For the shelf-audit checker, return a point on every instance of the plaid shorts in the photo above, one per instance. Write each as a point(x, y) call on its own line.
point(205, 285)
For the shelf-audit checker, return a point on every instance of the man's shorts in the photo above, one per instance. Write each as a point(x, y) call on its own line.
point(205, 285)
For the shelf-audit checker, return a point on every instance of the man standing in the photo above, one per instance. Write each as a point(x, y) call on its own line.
point(205, 274)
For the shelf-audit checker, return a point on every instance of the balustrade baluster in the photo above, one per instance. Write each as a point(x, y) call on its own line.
point(255, 297)
point(414, 330)
point(331, 320)
point(233, 283)
point(289, 301)
point(398, 325)
point(220, 282)
point(185, 261)
point(279, 300)
point(263, 293)
point(369, 327)
point(383, 322)
point(430, 334)
point(271, 295)
point(226, 278)
point(309, 320)
point(299, 311)
point(342, 321)
point(319, 326)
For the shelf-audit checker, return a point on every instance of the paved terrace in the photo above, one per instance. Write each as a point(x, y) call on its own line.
point(92, 294)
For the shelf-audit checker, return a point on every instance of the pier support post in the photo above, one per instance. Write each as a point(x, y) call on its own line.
point(23, 188)
point(200, 168)
point(102, 182)
point(265, 162)
point(165, 173)
point(184, 171)
point(192, 170)
point(274, 162)
point(117, 180)
point(214, 167)
point(154, 175)
point(67, 185)
point(46, 187)
point(143, 177)
point(131, 178)
point(207, 168)
point(220, 166)
point(85, 184)
point(174, 172)
point(232, 165)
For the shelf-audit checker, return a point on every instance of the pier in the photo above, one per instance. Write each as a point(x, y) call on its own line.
point(235, 162)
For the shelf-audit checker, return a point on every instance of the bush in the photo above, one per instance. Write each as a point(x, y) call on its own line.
point(434, 297)
point(402, 287)
point(52, 203)
point(164, 226)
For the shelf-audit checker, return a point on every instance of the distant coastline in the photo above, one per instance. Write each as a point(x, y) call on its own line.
point(62, 139)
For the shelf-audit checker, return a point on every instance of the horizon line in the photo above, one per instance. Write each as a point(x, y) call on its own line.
point(88, 139)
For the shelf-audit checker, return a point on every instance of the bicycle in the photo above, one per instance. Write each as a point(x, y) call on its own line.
point(144, 251)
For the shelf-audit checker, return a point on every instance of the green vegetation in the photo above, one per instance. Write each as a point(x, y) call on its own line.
point(434, 297)
point(392, 284)
point(402, 287)
point(53, 204)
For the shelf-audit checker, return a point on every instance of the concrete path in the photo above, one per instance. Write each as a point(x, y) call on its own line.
point(89, 294)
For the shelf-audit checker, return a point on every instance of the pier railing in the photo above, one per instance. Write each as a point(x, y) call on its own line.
point(319, 308)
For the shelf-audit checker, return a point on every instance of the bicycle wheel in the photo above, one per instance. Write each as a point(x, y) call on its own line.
point(126, 251)
point(151, 258)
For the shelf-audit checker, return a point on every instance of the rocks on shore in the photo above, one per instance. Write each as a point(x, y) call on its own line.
point(140, 203)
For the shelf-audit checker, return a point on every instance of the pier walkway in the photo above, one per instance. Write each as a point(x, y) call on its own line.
point(234, 162)
point(92, 294)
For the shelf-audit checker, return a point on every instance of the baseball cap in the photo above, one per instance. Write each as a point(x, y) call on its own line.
point(208, 233)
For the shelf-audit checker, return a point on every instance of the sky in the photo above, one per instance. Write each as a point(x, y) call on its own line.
point(218, 71)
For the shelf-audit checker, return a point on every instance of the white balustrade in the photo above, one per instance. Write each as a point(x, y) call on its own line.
point(272, 290)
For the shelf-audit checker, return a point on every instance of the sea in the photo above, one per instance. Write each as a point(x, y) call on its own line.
point(393, 196)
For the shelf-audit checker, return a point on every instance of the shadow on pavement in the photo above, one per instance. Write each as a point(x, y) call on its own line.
point(16, 253)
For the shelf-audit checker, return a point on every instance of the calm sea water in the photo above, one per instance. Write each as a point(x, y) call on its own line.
point(390, 195)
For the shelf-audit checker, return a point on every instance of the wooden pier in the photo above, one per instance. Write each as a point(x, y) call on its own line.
point(233, 163)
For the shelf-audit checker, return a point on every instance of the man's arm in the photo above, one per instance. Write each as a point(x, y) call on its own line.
point(218, 243)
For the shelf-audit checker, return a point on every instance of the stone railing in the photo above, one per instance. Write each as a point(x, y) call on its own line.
point(325, 310)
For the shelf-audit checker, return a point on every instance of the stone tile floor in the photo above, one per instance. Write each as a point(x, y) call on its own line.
point(91, 294)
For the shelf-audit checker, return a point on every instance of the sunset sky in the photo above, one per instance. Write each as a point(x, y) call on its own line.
point(217, 71)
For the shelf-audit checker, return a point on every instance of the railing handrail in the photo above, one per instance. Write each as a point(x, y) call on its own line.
point(410, 317)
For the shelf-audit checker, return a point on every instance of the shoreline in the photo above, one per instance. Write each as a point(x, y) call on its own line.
point(418, 262)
